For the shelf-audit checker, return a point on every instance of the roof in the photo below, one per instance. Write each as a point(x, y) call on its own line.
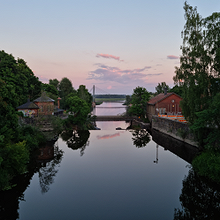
point(28, 105)
point(43, 98)
point(160, 97)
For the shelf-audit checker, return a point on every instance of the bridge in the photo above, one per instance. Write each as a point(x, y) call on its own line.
point(113, 118)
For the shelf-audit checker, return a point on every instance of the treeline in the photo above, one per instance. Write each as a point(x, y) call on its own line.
point(109, 96)
point(18, 140)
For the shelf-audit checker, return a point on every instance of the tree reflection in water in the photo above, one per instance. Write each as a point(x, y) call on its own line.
point(76, 139)
point(48, 170)
point(200, 199)
point(140, 138)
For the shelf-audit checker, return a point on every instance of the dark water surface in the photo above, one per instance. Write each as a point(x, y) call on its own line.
point(102, 174)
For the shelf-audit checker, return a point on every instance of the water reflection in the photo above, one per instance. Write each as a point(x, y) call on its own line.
point(108, 136)
point(49, 158)
point(76, 139)
point(200, 199)
point(140, 138)
point(43, 162)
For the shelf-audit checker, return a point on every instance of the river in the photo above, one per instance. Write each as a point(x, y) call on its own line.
point(101, 174)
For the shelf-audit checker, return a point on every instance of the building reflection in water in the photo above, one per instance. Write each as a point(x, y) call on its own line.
point(49, 157)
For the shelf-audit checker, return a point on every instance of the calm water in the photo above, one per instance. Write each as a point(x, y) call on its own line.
point(102, 174)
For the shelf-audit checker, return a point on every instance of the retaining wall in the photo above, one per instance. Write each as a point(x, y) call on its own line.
point(176, 129)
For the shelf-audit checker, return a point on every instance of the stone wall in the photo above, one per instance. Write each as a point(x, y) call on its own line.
point(176, 129)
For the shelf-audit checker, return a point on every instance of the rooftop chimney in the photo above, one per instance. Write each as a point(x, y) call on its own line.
point(165, 90)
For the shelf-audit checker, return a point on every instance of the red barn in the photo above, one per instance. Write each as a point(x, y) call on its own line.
point(164, 103)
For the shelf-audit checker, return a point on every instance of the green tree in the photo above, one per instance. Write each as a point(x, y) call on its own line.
point(199, 63)
point(140, 97)
point(55, 83)
point(78, 110)
point(178, 90)
point(161, 87)
point(65, 88)
point(83, 93)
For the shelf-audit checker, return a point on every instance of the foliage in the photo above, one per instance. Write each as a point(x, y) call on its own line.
point(208, 164)
point(177, 89)
point(140, 97)
point(207, 124)
point(161, 87)
point(83, 94)
point(76, 139)
point(65, 88)
point(78, 111)
point(127, 100)
point(51, 91)
point(17, 74)
point(55, 83)
point(199, 61)
point(13, 159)
point(198, 74)
point(140, 138)
point(199, 199)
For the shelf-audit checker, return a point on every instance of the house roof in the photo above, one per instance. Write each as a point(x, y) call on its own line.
point(160, 97)
point(28, 105)
point(43, 98)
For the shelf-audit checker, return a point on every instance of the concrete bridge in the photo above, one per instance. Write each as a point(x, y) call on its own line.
point(113, 118)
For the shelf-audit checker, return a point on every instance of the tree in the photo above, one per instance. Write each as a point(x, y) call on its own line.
point(161, 87)
point(83, 93)
point(199, 63)
point(55, 83)
point(178, 90)
point(78, 110)
point(140, 97)
point(65, 88)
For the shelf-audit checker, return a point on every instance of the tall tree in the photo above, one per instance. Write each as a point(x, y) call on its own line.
point(84, 94)
point(199, 70)
point(199, 61)
point(55, 83)
point(65, 88)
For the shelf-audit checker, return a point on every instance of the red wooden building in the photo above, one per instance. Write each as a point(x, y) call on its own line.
point(164, 103)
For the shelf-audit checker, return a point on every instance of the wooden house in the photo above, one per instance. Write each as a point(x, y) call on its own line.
point(164, 103)
point(29, 109)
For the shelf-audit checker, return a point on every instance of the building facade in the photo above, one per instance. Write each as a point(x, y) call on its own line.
point(164, 103)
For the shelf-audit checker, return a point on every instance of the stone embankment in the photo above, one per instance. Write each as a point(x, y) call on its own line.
point(173, 128)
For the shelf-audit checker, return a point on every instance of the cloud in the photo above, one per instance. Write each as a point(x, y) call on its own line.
point(172, 57)
point(115, 74)
point(108, 56)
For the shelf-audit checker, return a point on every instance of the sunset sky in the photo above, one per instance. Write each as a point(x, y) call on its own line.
point(115, 45)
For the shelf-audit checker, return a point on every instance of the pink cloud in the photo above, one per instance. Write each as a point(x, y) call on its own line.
point(108, 56)
point(172, 57)
point(115, 74)
point(109, 87)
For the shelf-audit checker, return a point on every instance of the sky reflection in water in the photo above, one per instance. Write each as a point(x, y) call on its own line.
point(112, 180)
